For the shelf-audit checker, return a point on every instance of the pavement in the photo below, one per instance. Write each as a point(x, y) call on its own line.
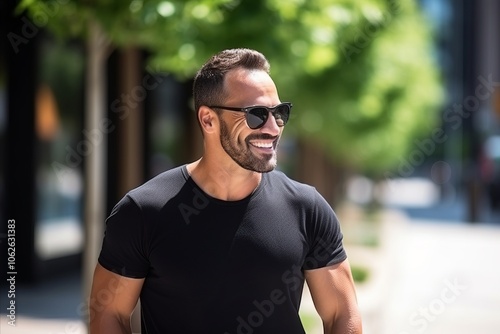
point(436, 278)
point(427, 276)
point(51, 306)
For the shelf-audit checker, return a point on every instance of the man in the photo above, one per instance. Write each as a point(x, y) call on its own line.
point(223, 244)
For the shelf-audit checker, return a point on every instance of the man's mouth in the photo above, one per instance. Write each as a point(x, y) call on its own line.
point(266, 146)
point(262, 144)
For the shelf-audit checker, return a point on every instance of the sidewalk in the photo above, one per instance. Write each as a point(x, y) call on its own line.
point(435, 278)
point(444, 280)
point(52, 306)
point(28, 325)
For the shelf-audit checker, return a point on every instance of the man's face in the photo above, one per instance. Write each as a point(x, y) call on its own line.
point(254, 150)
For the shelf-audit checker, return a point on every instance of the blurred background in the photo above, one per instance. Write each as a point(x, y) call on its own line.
point(396, 122)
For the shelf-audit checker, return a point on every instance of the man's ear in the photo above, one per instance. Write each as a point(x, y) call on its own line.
point(207, 118)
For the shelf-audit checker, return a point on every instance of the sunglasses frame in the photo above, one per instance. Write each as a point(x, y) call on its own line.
point(247, 111)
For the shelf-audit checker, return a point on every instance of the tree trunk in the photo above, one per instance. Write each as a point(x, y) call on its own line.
point(95, 161)
point(130, 144)
point(317, 170)
point(131, 128)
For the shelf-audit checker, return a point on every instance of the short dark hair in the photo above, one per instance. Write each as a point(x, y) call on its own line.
point(208, 86)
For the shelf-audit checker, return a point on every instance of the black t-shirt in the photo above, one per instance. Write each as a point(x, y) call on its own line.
point(224, 267)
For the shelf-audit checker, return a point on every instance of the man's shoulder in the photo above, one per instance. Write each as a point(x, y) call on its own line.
point(281, 182)
point(160, 188)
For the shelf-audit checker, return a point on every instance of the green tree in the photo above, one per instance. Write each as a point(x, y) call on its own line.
point(360, 74)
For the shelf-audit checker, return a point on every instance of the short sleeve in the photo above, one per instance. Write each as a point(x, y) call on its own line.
point(324, 236)
point(124, 247)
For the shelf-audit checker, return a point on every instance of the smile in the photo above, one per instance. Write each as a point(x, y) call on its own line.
point(259, 144)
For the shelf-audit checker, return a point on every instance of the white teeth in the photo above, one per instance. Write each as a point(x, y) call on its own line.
point(263, 145)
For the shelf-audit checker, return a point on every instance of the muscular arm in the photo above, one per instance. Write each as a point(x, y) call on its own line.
point(112, 300)
point(332, 290)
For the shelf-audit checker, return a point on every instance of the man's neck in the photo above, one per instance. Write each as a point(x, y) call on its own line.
point(228, 182)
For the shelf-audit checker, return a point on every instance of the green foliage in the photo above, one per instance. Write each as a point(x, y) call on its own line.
point(310, 321)
point(383, 94)
point(360, 73)
point(359, 274)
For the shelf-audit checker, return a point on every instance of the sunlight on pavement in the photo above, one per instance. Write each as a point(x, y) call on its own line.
point(27, 325)
point(439, 279)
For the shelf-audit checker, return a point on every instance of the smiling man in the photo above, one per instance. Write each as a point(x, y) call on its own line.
point(224, 244)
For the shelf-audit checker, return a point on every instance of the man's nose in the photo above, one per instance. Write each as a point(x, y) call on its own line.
point(271, 127)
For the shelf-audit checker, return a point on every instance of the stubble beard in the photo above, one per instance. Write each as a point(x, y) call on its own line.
point(243, 155)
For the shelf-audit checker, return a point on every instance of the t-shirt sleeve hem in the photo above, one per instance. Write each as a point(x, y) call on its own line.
point(126, 272)
point(338, 259)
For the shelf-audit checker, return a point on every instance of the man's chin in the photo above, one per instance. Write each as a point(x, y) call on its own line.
point(260, 167)
point(268, 167)
point(269, 170)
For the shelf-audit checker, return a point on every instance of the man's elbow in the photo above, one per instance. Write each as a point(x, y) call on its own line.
point(355, 325)
point(107, 323)
point(349, 323)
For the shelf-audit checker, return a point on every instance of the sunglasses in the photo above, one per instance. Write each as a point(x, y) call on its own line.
point(257, 116)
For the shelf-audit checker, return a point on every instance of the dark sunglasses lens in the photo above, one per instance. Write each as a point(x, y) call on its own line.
point(282, 113)
point(256, 117)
